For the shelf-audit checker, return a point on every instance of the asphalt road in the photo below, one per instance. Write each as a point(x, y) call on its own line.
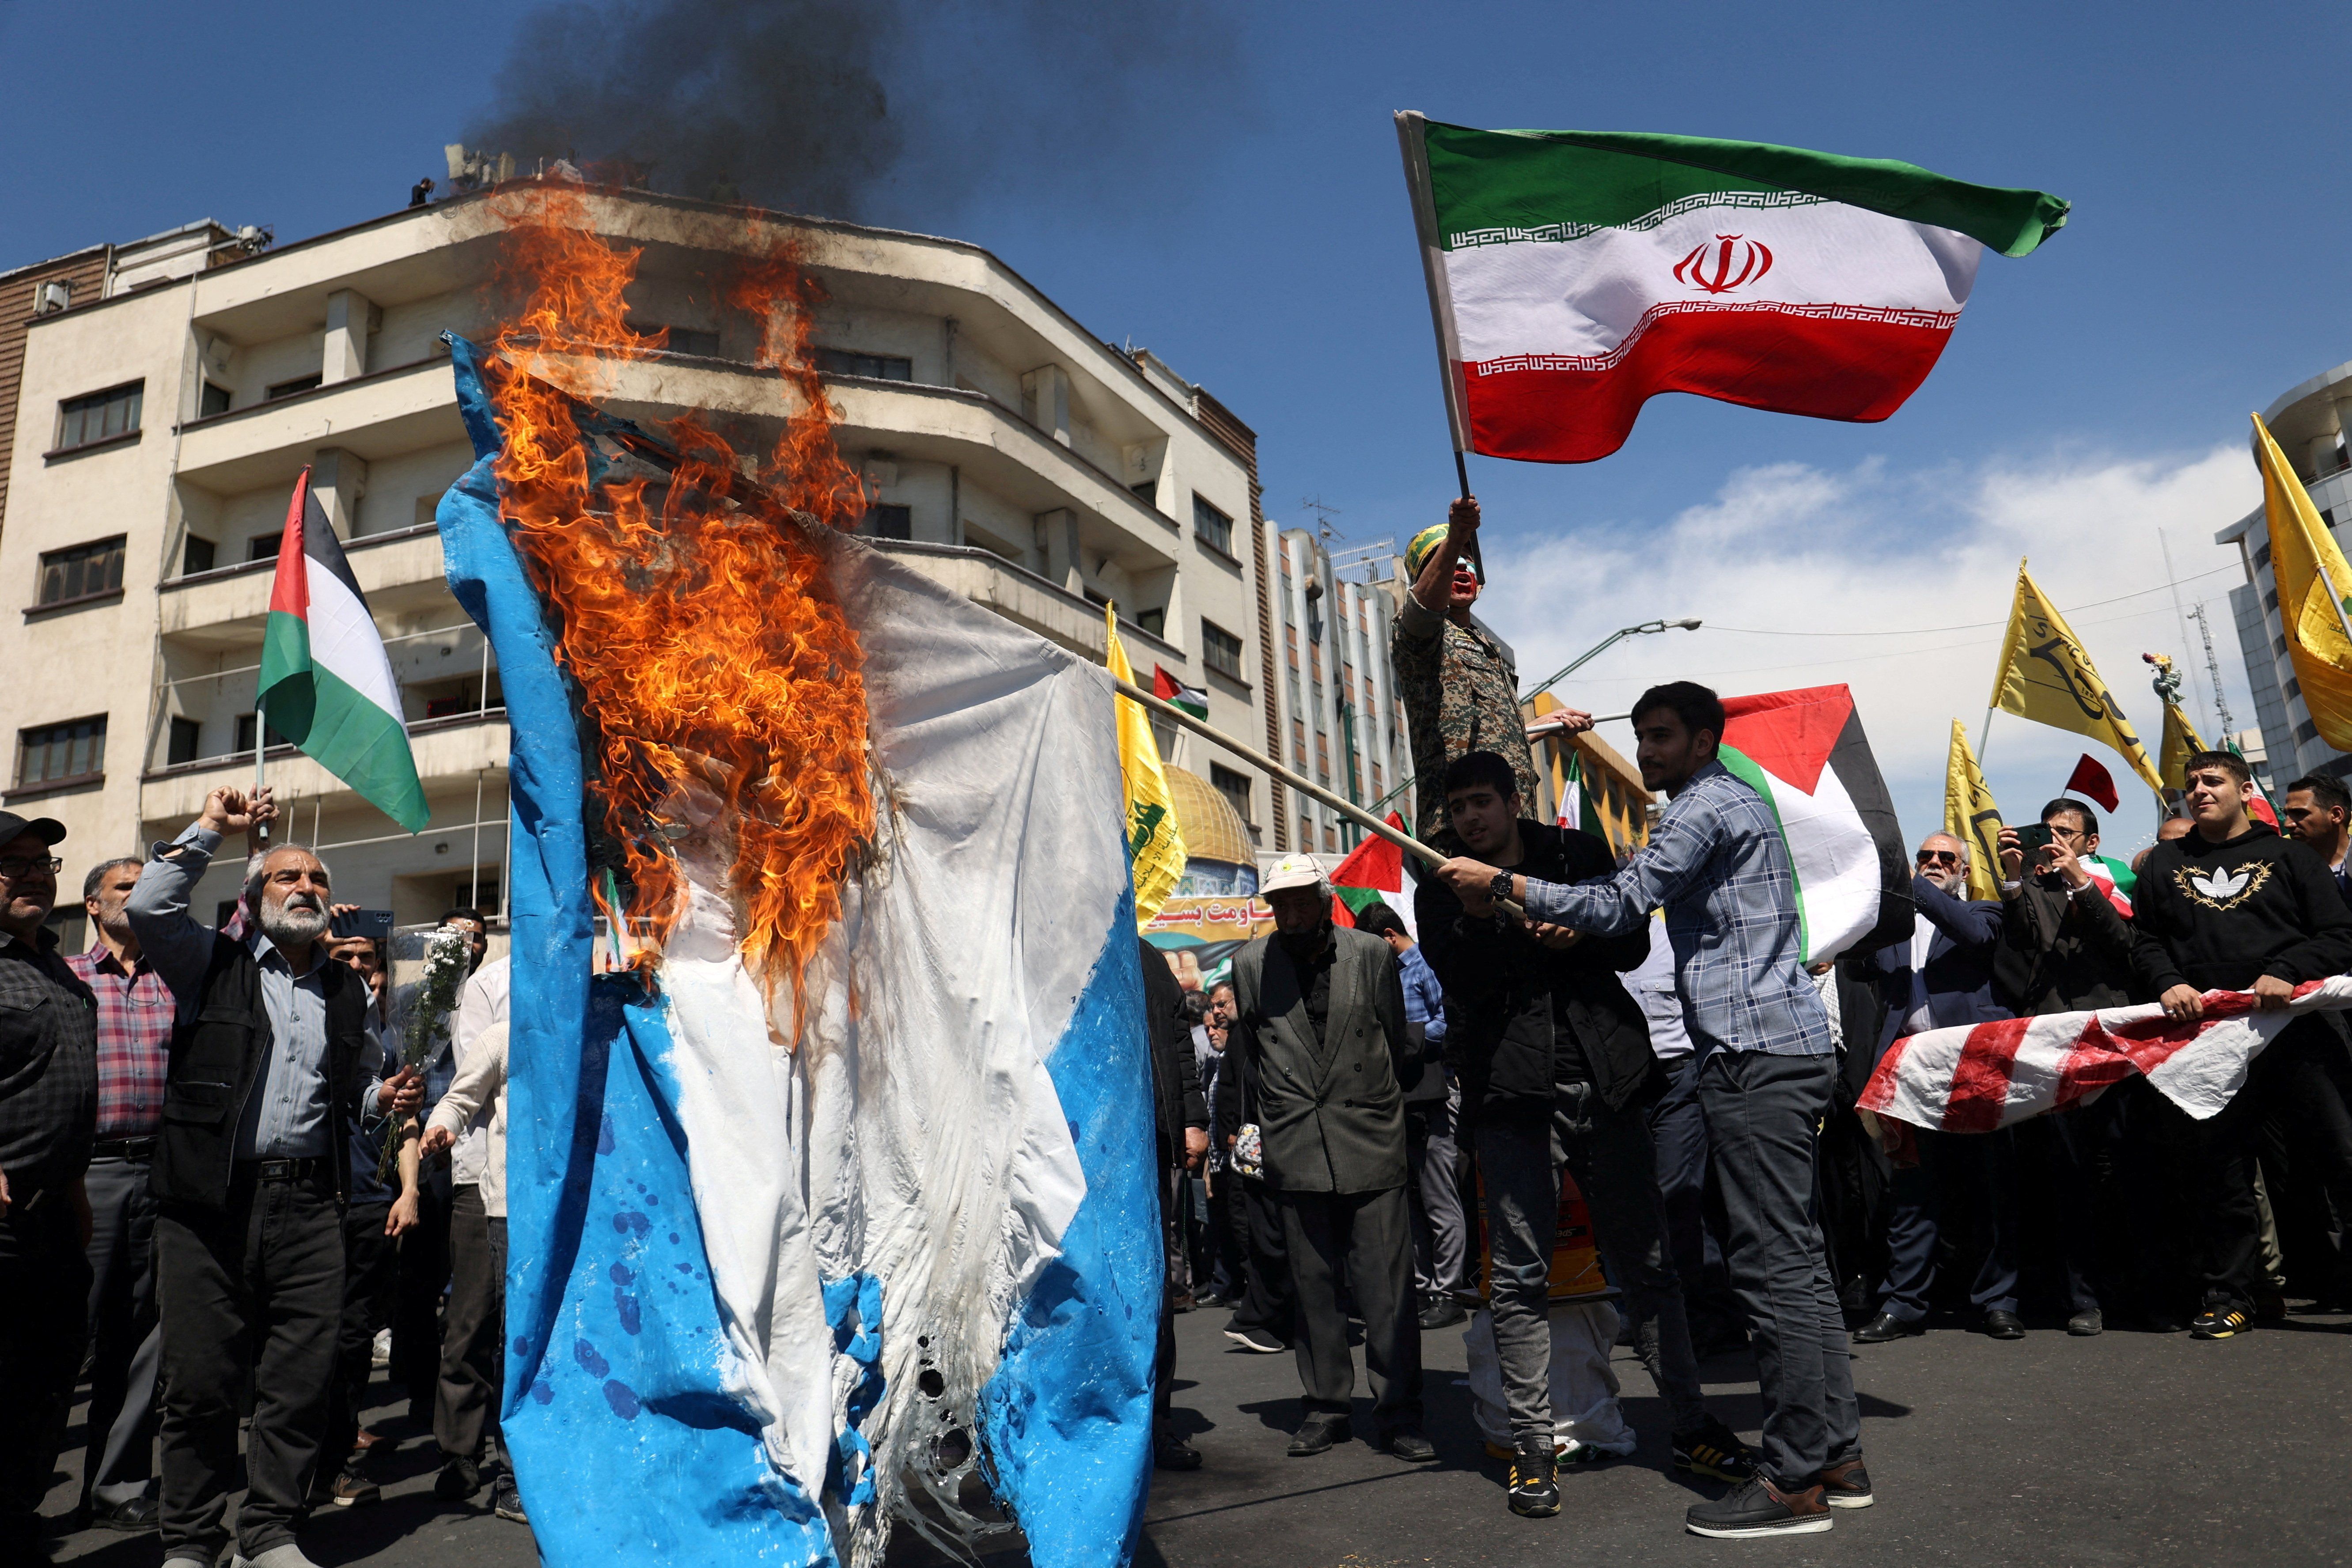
point(2129, 1448)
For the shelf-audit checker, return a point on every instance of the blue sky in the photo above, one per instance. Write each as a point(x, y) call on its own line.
point(1254, 232)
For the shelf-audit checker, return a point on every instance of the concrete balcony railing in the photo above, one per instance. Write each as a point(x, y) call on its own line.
point(380, 415)
point(391, 568)
point(461, 746)
point(1020, 595)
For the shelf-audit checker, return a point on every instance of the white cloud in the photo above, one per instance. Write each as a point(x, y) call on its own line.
point(1791, 549)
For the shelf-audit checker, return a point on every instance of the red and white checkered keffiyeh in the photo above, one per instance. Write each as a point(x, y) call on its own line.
point(1983, 1076)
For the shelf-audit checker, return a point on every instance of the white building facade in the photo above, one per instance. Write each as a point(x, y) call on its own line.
point(2310, 423)
point(162, 416)
point(1341, 723)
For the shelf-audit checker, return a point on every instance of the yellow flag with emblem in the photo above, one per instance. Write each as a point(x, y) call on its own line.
point(2181, 743)
point(1155, 842)
point(2313, 586)
point(1970, 816)
point(2045, 676)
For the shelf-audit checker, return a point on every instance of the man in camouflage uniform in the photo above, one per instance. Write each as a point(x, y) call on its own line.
point(1460, 690)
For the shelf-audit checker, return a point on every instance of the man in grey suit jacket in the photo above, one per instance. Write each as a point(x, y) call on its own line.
point(1321, 1019)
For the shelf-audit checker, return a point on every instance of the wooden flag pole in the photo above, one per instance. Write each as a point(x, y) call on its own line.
point(1357, 815)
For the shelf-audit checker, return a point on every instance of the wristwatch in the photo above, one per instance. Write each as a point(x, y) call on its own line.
point(1501, 888)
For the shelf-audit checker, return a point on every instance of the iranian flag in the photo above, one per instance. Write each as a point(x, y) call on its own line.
point(1805, 753)
point(1375, 872)
point(1574, 275)
point(325, 684)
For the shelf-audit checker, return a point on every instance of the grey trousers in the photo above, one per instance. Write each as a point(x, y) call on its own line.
point(1441, 1236)
point(253, 1289)
point(1520, 1155)
point(127, 1342)
point(1762, 1114)
point(1372, 1232)
point(466, 1406)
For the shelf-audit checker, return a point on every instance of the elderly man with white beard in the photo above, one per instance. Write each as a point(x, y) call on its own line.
point(271, 1061)
point(1943, 977)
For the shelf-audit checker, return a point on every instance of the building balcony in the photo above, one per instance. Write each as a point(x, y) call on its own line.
point(400, 571)
point(383, 414)
point(1023, 597)
point(464, 746)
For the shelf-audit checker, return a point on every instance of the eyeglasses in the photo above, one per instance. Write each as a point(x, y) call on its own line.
point(17, 866)
point(1939, 858)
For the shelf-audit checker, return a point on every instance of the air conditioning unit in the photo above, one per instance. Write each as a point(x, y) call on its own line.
point(54, 295)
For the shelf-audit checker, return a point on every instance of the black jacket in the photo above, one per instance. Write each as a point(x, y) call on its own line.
point(2219, 916)
point(1175, 1078)
point(48, 1068)
point(215, 1066)
point(2062, 951)
point(1508, 996)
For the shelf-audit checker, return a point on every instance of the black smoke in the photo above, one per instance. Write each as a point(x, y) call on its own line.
point(900, 112)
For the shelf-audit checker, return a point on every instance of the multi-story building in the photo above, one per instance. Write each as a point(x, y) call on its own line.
point(2310, 423)
point(168, 399)
point(1341, 723)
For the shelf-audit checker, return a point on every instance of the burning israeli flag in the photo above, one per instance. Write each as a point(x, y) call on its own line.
point(833, 1209)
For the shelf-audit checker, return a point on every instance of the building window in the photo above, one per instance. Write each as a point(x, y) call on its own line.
point(263, 546)
point(196, 555)
point(1234, 786)
point(1213, 527)
point(873, 367)
point(212, 400)
point(1322, 757)
point(294, 388)
point(2270, 599)
point(1298, 741)
point(2305, 733)
point(84, 570)
point(187, 735)
point(2263, 554)
point(1220, 650)
point(1290, 642)
point(56, 753)
point(1153, 621)
point(883, 521)
point(1378, 791)
point(245, 734)
point(1330, 839)
point(2293, 688)
point(1147, 492)
point(101, 417)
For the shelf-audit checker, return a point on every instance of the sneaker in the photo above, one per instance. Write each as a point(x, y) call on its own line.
point(2087, 1323)
point(1256, 1340)
point(351, 1488)
point(2219, 1321)
point(1759, 1508)
point(459, 1480)
point(1714, 1449)
point(1845, 1485)
point(505, 1501)
point(1318, 1433)
point(1535, 1481)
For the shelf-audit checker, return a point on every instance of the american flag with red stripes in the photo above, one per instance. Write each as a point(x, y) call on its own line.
point(1983, 1076)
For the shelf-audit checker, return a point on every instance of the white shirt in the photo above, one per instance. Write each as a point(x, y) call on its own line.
point(475, 1106)
point(481, 1003)
point(1652, 982)
point(1923, 936)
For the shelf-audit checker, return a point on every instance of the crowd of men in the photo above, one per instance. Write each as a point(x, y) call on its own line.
point(1393, 1120)
point(218, 1195)
point(231, 1162)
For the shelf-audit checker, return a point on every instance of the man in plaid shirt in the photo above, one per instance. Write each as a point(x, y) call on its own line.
point(134, 1032)
point(1766, 1063)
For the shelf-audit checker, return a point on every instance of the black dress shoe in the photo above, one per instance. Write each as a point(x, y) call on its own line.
point(1318, 1433)
point(1407, 1443)
point(2000, 1325)
point(1169, 1451)
point(1442, 1313)
point(1885, 1327)
point(136, 1517)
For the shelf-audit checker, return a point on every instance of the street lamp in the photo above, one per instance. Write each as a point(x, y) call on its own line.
point(1603, 646)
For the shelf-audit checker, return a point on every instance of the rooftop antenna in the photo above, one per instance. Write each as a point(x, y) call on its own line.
point(1323, 516)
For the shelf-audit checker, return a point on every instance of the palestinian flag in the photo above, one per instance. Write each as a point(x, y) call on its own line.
point(325, 684)
point(1805, 753)
point(1574, 275)
point(1170, 690)
point(1374, 871)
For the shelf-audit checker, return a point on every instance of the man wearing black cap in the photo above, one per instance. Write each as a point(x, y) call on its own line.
point(49, 1114)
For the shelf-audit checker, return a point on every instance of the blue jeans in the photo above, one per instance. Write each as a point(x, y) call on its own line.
point(1761, 1113)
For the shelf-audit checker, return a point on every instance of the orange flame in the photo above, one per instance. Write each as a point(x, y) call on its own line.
point(707, 643)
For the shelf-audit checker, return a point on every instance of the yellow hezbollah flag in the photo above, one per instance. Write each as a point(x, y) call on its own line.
point(2181, 742)
point(2045, 676)
point(1155, 843)
point(2313, 580)
point(1970, 816)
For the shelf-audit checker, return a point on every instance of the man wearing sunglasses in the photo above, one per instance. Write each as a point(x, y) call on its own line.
point(1943, 977)
point(49, 1115)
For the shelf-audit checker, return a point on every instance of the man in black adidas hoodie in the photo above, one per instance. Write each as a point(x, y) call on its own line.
point(2234, 907)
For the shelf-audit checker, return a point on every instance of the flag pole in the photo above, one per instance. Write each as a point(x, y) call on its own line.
point(1411, 126)
point(1362, 818)
point(260, 780)
point(1983, 731)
